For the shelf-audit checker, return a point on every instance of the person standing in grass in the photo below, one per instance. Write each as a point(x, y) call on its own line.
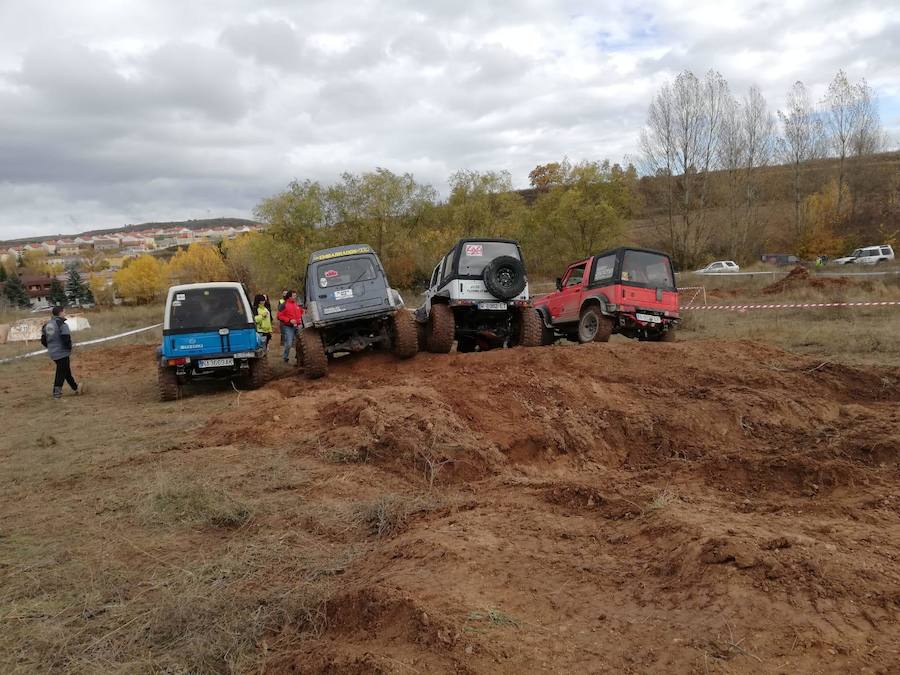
point(263, 318)
point(291, 318)
point(57, 338)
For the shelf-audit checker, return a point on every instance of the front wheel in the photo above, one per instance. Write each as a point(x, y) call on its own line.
point(315, 362)
point(405, 339)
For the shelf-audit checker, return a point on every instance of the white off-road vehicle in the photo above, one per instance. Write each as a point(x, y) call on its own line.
point(478, 295)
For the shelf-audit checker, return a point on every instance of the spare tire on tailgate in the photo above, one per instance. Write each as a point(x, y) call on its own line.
point(504, 277)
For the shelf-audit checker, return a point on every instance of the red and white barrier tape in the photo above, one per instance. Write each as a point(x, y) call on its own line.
point(805, 305)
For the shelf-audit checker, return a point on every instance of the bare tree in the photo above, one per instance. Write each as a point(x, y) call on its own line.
point(679, 145)
point(801, 141)
point(732, 154)
point(758, 132)
point(842, 121)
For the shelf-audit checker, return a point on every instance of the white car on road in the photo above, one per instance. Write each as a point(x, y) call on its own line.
point(719, 267)
point(870, 255)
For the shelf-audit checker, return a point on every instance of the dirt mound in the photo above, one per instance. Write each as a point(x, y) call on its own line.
point(741, 416)
point(799, 278)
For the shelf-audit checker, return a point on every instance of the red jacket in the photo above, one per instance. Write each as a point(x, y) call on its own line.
point(291, 311)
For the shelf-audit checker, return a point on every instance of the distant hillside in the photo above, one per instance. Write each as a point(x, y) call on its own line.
point(206, 223)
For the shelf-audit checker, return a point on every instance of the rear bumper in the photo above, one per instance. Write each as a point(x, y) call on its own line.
point(184, 362)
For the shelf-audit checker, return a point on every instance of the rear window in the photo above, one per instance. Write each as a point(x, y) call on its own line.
point(885, 250)
point(475, 255)
point(648, 269)
point(208, 308)
point(341, 272)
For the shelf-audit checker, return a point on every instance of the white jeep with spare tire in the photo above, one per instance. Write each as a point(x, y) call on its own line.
point(478, 296)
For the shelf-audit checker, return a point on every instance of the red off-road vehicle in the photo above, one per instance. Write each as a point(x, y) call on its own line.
point(630, 291)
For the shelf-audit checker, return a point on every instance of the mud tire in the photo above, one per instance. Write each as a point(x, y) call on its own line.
point(530, 327)
point(315, 362)
point(441, 329)
point(405, 339)
point(504, 277)
point(169, 387)
point(606, 329)
point(259, 373)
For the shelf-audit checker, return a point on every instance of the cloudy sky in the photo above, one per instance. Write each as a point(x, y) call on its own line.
point(126, 111)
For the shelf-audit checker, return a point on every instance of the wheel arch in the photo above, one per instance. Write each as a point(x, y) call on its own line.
point(596, 299)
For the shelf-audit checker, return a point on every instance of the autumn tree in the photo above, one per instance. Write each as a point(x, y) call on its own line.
point(842, 119)
point(198, 263)
point(102, 290)
point(582, 215)
point(544, 176)
point(142, 280)
point(484, 203)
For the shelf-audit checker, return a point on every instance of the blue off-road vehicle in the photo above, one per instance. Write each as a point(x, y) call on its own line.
point(209, 331)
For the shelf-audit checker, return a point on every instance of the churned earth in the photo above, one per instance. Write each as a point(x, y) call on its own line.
point(706, 506)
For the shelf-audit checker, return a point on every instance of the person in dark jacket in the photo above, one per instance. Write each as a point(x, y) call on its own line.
point(57, 338)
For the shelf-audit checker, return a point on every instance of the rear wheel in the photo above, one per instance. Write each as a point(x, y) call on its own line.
point(315, 362)
point(169, 388)
point(259, 372)
point(441, 329)
point(593, 326)
point(405, 338)
point(530, 327)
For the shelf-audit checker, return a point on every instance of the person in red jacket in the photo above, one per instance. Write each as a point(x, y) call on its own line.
point(291, 318)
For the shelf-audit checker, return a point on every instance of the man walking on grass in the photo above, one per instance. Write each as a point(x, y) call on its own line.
point(55, 336)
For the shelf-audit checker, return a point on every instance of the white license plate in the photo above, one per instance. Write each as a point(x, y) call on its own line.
point(492, 305)
point(344, 294)
point(649, 318)
point(215, 363)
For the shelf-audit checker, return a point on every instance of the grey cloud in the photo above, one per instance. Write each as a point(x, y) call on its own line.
point(269, 42)
point(171, 109)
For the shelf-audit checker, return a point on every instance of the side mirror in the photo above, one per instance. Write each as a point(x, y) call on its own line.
point(559, 283)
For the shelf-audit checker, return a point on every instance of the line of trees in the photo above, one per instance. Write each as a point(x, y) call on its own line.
point(707, 151)
point(723, 175)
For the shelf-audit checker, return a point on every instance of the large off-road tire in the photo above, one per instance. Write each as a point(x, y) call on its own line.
point(504, 277)
point(404, 338)
point(529, 327)
point(441, 329)
point(315, 362)
point(593, 326)
point(259, 373)
point(169, 387)
point(606, 329)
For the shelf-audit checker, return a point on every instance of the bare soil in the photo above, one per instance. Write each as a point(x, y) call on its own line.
point(705, 506)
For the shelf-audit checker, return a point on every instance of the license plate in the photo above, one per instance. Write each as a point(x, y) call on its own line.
point(492, 305)
point(344, 294)
point(215, 363)
point(649, 318)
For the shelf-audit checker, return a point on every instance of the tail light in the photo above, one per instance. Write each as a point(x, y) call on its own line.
point(178, 362)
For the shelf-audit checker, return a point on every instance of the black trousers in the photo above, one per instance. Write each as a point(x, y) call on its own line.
point(64, 374)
